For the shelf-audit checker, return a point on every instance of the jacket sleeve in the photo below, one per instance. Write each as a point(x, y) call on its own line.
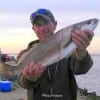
point(81, 67)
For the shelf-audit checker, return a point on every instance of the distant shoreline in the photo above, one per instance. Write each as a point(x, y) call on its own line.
point(18, 53)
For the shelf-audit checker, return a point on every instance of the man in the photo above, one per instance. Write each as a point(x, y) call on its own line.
point(55, 82)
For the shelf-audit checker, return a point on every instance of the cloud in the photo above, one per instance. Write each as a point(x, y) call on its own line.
point(24, 6)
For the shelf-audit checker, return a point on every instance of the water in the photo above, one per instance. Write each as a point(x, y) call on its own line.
point(91, 80)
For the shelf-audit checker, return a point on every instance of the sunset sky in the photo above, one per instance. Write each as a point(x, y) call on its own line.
point(15, 26)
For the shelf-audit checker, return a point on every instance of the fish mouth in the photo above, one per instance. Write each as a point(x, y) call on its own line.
point(97, 21)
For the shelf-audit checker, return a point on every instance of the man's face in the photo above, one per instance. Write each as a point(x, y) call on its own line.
point(43, 28)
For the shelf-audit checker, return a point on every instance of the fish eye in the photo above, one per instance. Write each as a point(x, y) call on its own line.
point(89, 22)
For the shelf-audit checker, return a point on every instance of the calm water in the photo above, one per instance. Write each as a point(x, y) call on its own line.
point(91, 80)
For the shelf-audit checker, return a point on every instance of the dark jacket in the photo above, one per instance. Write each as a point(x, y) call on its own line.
point(57, 84)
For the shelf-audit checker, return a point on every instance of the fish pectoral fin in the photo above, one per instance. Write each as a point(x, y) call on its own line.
point(67, 44)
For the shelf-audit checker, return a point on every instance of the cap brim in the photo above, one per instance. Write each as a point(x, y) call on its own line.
point(45, 17)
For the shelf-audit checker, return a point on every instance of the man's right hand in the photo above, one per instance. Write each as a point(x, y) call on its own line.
point(32, 71)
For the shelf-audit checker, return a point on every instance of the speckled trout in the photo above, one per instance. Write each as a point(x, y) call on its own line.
point(55, 48)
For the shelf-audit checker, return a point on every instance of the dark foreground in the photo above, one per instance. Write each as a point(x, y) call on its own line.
point(20, 94)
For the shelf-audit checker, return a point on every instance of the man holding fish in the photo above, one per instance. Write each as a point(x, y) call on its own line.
point(56, 81)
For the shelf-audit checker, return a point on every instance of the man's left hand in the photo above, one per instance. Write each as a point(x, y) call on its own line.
point(82, 39)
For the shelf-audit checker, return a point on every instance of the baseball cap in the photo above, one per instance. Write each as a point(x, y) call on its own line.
point(45, 13)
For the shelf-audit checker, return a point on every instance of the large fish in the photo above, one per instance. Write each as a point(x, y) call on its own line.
point(55, 48)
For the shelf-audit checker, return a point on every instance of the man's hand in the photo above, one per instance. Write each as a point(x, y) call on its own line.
point(82, 39)
point(33, 71)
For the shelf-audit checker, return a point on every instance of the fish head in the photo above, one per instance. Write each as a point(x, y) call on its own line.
point(90, 24)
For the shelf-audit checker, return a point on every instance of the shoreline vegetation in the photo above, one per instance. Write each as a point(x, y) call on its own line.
point(83, 94)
